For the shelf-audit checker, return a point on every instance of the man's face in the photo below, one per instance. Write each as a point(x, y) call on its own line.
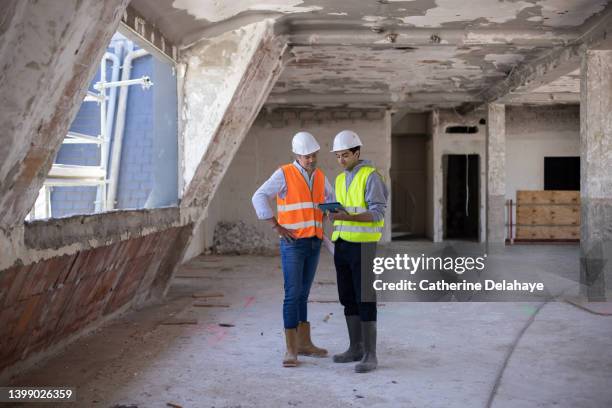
point(308, 162)
point(347, 159)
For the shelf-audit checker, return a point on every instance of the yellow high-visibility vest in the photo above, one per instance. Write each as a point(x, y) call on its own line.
point(354, 202)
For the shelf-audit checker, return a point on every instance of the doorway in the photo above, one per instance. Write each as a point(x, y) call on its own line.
point(408, 186)
point(462, 192)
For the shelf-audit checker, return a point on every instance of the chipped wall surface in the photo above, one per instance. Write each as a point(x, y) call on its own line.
point(226, 81)
point(268, 145)
point(48, 56)
point(213, 70)
point(46, 239)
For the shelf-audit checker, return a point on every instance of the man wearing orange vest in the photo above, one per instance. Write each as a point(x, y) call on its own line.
point(298, 187)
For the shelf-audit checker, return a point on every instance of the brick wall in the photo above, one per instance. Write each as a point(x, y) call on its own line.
point(46, 302)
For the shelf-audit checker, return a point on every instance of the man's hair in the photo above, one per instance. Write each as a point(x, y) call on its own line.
point(355, 149)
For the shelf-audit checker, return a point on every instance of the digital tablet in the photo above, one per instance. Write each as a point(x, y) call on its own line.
point(331, 207)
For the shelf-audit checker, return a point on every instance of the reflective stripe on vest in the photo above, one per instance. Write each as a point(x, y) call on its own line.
point(298, 210)
point(353, 201)
point(303, 225)
point(356, 210)
point(296, 206)
point(353, 228)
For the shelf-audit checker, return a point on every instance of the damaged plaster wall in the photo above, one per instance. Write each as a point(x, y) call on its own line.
point(211, 72)
point(268, 145)
point(223, 82)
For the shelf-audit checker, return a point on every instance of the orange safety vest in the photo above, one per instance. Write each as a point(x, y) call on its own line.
point(298, 210)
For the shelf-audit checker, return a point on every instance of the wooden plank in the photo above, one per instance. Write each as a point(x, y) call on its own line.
point(566, 197)
point(533, 197)
point(547, 232)
point(547, 197)
point(548, 215)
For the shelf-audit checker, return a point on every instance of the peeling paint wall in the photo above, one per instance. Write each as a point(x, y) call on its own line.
point(212, 72)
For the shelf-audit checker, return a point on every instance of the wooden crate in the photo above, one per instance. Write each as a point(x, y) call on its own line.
point(548, 215)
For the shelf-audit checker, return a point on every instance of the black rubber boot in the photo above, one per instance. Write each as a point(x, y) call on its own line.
point(355, 350)
point(369, 361)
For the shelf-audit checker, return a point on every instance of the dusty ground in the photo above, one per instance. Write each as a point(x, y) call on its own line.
point(430, 354)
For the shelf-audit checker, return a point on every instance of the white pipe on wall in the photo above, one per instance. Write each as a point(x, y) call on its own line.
point(119, 128)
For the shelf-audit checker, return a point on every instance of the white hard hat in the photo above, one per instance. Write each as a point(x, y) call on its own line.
point(304, 143)
point(347, 139)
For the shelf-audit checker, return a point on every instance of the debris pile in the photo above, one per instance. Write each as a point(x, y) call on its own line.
point(239, 238)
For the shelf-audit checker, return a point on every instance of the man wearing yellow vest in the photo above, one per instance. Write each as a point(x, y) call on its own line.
point(361, 191)
point(298, 187)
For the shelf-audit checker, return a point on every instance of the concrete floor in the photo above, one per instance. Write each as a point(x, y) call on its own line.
point(444, 354)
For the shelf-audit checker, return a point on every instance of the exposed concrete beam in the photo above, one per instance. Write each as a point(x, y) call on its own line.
point(317, 33)
point(558, 62)
point(49, 55)
point(541, 98)
point(227, 80)
point(367, 99)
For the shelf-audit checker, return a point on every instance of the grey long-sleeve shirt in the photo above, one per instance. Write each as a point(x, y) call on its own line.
point(376, 192)
point(277, 185)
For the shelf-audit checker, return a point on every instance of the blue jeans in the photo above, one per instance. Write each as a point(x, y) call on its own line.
point(299, 260)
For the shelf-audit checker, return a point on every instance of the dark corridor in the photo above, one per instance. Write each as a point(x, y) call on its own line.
point(462, 196)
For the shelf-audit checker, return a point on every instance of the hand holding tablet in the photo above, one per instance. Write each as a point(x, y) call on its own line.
point(332, 207)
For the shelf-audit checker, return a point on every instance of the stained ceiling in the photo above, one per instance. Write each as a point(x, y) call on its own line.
point(414, 54)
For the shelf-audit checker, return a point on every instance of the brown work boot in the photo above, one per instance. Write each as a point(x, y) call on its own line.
point(305, 346)
point(290, 359)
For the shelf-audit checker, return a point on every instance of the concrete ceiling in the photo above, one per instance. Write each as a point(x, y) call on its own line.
point(413, 54)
